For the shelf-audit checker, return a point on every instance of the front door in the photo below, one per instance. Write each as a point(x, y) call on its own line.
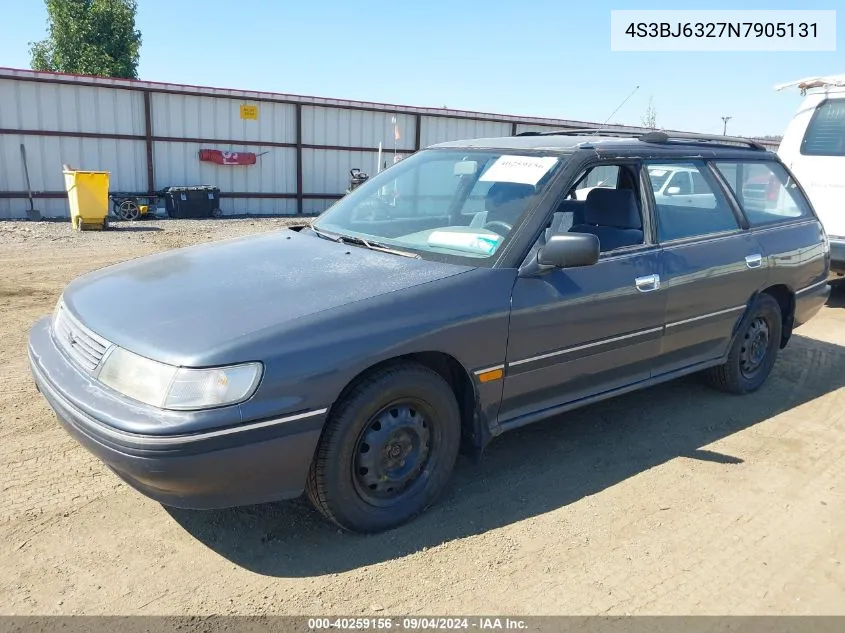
point(578, 332)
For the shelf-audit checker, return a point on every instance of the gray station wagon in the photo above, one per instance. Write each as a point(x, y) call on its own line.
point(463, 292)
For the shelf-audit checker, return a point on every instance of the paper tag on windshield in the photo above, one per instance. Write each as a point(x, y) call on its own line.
point(527, 170)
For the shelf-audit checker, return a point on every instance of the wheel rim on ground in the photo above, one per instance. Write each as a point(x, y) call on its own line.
point(128, 210)
point(755, 347)
point(392, 452)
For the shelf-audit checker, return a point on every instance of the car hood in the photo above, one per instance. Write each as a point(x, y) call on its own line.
point(191, 305)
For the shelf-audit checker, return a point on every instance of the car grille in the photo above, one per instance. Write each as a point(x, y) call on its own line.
point(79, 343)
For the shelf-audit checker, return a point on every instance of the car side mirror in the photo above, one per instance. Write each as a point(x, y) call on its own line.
point(569, 250)
point(673, 191)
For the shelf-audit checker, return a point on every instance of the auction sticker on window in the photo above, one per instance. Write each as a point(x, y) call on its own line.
point(526, 170)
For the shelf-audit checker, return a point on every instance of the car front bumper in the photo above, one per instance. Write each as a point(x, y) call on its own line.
point(837, 256)
point(239, 464)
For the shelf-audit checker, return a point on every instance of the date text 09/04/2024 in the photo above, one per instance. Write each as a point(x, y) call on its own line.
point(416, 623)
point(723, 29)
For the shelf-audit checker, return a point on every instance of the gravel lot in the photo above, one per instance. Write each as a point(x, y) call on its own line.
point(673, 500)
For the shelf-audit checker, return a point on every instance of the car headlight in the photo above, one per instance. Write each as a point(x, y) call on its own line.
point(170, 387)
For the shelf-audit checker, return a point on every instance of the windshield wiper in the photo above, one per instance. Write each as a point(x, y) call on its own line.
point(324, 235)
point(374, 246)
point(360, 241)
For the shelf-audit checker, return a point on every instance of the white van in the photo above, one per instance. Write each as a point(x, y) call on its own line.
point(813, 147)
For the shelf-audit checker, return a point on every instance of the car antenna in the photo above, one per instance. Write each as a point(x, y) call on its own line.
point(619, 106)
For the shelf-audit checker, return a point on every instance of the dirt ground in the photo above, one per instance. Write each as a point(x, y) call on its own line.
point(674, 500)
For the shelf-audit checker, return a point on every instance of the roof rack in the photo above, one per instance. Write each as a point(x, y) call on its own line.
point(652, 136)
point(807, 83)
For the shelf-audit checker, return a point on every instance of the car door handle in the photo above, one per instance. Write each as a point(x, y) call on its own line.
point(647, 283)
point(754, 261)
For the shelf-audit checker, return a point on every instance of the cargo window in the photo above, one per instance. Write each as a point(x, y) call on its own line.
point(764, 190)
point(825, 135)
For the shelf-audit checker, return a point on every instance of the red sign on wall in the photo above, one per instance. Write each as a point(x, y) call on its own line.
point(227, 158)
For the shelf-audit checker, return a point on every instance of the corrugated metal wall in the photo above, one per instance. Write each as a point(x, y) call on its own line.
point(354, 128)
point(53, 110)
point(441, 129)
point(178, 164)
point(70, 108)
point(182, 116)
point(149, 135)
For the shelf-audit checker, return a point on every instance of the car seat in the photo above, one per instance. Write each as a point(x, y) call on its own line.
point(613, 216)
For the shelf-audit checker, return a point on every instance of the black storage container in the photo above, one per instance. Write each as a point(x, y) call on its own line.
point(202, 201)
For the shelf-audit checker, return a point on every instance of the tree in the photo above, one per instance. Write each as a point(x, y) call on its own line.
point(649, 119)
point(90, 37)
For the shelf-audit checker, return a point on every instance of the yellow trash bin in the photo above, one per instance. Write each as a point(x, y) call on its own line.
point(88, 194)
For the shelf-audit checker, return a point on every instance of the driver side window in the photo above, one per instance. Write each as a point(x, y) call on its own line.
point(611, 209)
point(605, 201)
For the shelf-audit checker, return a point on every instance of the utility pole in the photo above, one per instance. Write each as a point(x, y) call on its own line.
point(725, 120)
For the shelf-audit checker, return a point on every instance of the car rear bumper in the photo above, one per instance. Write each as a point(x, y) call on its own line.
point(837, 255)
point(238, 465)
point(810, 300)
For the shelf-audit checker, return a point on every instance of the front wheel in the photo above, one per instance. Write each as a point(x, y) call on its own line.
point(388, 449)
point(754, 351)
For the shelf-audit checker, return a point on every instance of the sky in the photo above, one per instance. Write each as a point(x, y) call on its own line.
point(548, 58)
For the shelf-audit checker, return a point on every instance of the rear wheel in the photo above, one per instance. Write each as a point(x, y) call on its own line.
point(754, 351)
point(388, 449)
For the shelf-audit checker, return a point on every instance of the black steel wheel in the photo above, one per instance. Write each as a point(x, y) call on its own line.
point(755, 344)
point(754, 350)
point(392, 452)
point(388, 449)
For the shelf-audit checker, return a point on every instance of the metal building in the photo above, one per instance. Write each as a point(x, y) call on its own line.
point(149, 136)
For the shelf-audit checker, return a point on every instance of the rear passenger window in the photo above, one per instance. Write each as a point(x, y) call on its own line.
point(764, 190)
point(688, 201)
point(825, 135)
point(680, 184)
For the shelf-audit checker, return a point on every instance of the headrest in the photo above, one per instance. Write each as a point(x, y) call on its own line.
point(570, 211)
point(613, 207)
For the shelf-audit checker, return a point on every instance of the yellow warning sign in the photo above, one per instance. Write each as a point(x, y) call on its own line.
point(249, 112)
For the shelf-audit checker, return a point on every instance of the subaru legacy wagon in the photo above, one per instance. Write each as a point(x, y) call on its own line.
point(461, 293)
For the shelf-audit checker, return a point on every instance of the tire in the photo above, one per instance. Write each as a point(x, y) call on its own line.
point(216, 212)
point(750, 360)
point(388, 449)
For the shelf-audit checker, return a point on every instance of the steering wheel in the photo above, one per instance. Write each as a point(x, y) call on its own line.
point(494, 224)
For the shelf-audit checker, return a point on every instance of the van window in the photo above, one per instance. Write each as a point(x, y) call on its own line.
point(825, 135)
point(764, 190)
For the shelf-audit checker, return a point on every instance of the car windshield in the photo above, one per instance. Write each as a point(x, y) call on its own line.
point(658, 175)
point(442, 203)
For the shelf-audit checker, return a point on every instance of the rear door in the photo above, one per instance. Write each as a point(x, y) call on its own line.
point(710, 267)
point(780, 219)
